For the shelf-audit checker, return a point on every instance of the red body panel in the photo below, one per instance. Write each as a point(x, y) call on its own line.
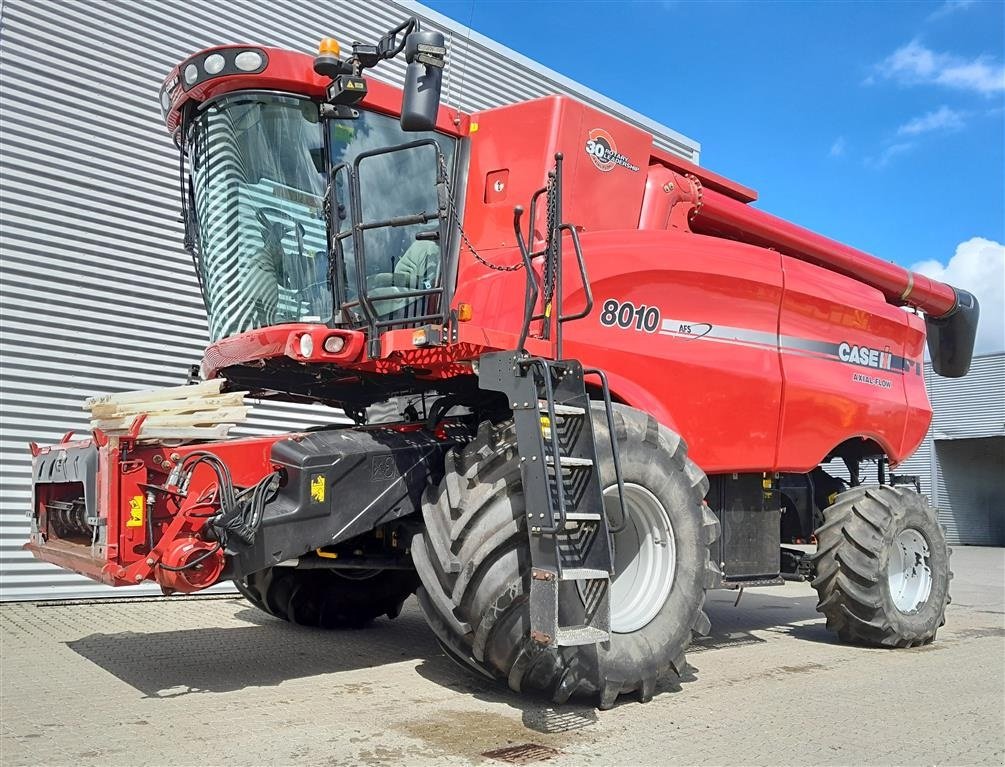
point(825, 398)
point(745, 363)
point(518, 143)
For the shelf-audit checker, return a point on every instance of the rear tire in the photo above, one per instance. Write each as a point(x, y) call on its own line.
point(328, 598)
point(473, 559)
point(882, 568)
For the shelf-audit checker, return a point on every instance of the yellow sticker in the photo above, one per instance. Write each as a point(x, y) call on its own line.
point(135, 512)
point(832, 497)
point(318, 488)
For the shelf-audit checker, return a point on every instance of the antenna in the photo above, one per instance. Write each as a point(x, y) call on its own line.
point(464, 67)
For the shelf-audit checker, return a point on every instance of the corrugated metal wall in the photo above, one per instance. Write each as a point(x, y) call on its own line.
point(968, 408)
point(96, 293)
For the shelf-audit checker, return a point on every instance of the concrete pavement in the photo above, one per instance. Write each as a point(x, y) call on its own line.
point(211, 681)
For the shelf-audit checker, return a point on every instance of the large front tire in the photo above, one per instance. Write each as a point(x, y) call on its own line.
point(882, 568)
point(475, 569)
point(328, 599)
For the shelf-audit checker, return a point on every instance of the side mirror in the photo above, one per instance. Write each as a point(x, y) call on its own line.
point(424, 52)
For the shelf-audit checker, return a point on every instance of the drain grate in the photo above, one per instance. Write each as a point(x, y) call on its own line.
point(551, 721)
point(525, 753)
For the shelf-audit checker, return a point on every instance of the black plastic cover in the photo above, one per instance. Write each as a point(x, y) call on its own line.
point(951, 337)
point(340, 483)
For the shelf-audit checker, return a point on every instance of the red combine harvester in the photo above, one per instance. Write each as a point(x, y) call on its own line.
point(571, 418)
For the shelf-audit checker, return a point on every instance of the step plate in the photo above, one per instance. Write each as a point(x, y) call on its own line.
point(569, 636)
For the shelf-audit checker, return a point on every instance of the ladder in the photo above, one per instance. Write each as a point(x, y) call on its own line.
point(567, 525)
point(566, 521)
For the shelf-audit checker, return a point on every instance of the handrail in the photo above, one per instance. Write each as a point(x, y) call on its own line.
point(531, 291)
point(553, 311)
point(582, 274)
point(609, 410)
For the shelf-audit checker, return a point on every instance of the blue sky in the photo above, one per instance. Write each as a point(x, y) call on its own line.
point(879, 124)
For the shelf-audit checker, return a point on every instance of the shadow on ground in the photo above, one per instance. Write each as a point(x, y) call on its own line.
point(731, 627)
point(795, 616)
point(266, 652)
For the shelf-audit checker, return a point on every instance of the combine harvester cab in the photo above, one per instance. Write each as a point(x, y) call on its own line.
point(588, 381)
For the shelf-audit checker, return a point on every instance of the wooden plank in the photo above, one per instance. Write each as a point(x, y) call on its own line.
point(220, 415)
point(202, 389)
point(184, 433)
point(115, 410)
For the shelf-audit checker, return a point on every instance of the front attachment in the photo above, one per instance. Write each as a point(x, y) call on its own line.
point(123, 510)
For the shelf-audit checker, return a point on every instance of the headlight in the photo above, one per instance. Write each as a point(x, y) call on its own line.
point(248, 61)
point(214, 63)
point(165, 100)
point(334, 344)
point(191, 74)
point(306, 345)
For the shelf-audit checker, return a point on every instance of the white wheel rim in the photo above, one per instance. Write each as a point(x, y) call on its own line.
point(909, 571)
point(645, 558)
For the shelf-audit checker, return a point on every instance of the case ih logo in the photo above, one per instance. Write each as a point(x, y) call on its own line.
point(604, 152)
point(863, 355)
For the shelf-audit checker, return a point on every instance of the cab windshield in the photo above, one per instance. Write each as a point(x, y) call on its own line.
point(259, 182)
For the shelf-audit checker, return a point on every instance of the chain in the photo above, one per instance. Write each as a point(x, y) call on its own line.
point(460, 229)
point(551, 262)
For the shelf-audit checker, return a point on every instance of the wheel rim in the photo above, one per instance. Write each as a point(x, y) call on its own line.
point(645, 558)
point(909, 571)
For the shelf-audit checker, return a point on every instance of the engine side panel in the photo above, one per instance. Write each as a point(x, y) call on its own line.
point(686, 327)
point(756, 378)
point(844, 366)
point(919, 409)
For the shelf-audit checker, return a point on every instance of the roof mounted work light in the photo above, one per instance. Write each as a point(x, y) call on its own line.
point(219, 62)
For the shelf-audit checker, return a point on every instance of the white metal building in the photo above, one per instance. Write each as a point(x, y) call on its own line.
point(97, 294)
point(961, 463)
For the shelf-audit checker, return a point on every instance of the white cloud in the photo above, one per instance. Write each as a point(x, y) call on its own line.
point(838, 147)
point(978, 266)
point(914, 64)
point(950, 7)
point(886, 156)
point(942, 119)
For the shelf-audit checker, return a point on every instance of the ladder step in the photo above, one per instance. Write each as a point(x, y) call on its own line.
point(568, 463)
point(561, 409)
point(584, 574)
point(582, 516)
point(577, 635)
